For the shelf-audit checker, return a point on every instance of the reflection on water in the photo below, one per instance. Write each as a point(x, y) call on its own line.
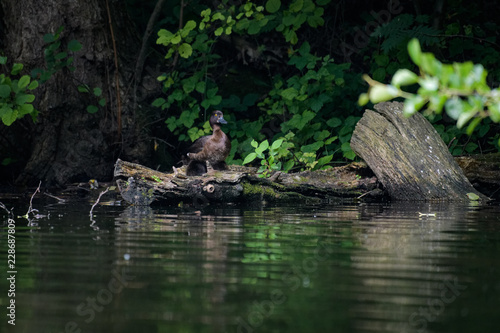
point(357, 268)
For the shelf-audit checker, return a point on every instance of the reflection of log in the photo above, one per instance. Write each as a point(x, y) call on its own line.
point(140, 185)
point(408, 156)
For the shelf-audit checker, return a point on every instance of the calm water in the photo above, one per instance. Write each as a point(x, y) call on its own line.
point(302, 268)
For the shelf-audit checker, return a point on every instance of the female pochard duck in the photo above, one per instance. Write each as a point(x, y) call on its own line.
point(212, 148)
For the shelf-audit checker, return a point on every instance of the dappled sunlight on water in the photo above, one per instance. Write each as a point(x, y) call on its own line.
point(416, 267)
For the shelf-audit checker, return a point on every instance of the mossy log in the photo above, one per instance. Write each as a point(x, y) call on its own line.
point(140, 185)
point(408, 156)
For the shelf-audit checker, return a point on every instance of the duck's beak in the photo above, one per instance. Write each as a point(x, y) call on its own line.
point(222, 120)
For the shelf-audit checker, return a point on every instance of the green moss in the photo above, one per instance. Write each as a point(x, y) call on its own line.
point(271, 193)
point(262, 191)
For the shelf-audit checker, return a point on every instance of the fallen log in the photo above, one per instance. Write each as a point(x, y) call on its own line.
point(408, 156)
point(483, 171)
point(140, 185)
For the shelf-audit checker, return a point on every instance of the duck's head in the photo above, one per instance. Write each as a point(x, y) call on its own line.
point(217, 118)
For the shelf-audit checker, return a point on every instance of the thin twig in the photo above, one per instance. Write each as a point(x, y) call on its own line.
point(54, 197)
point(181, 25)
point(362, 195)
point(117, 76)
point(30, 209)
point(481, 40)
point(141, 58)
point(97, 201)
point(5, 208)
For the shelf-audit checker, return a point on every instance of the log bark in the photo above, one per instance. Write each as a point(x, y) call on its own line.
point(408, 156)
point(140, 185)
point(483, 171)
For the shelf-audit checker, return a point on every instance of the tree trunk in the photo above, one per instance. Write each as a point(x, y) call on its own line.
point(69, 144)
point(408, 156)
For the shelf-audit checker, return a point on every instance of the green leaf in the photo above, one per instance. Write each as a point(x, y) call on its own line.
point(324, 160)
point(49, 38)
point(200, 87)
point(262, 147)
point(382, 60)
point(288, 165)
point(185, 50)
point(272, 6)
point(312, 148)
point(414, 51)
point(158, 102)
point(16, 69)
point(289, 94)
point(61, 55)
point(349, 155)
point(219, 31)
point(189, 84)
point(26, 109)
point(330, 140)
point(413, 105)
point(249, 158)
point(404, 77)
point(97, 92)
point(315, 21)
point(471, 147)
point(334, 122)
point(320, 136)
point(276, 144)
point(464, 118)
point(3, 60)
point(176, 39)
point(494, 110)
point(92, 109)
point(382, 93)
point(83, 89)
point(4, 90)
point(102, 102)
point(24, 98)
point(74, 45)
point(9, 117)
point(253, 28)
point(33, 85)
point(379, 74)
point(454, 107)
point(363, 99)
point(296, 6)
point(190, 25)
point(254, 144)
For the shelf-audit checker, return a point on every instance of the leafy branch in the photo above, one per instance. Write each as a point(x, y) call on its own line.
point(459, 88)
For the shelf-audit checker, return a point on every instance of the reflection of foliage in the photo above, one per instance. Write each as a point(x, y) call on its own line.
point(263, 244)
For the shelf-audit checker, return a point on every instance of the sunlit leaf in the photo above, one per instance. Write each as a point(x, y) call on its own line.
point(404, 77)
point(382, 93)
point(414, 51)
point(249, 158)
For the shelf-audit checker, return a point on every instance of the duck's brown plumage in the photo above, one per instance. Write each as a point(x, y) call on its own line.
point(212, 148)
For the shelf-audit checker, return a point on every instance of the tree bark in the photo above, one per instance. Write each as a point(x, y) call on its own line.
point(68, 144)
point(408, 156)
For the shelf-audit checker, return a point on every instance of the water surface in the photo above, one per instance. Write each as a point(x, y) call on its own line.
point(300, 268)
